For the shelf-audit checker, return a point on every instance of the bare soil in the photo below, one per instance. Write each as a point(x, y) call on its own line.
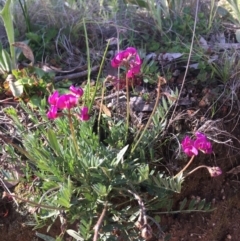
point(222, 224)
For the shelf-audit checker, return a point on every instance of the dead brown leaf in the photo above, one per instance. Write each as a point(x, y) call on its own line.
point(104, 108)
point(26, 50)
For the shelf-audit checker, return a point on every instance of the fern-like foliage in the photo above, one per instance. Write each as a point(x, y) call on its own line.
point(173, 184)
point(186, 206)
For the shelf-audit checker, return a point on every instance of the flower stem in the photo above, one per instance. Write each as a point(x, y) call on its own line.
point(188, 164)
point(150, 118)
point(99, 74)
point(128, 106)
point(72, 132)
point(87, 94)
point(195, 169)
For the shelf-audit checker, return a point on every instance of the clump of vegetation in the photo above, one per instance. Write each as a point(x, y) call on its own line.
point(96, 164)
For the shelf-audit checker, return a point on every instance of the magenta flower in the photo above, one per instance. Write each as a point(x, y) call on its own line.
point(135, 61)
point(189, 147)
point(67, 101)
point(52, 99)
point(84, 114)
point(202, 144)
point(133, 71)
point(131, 56)
point(118, 59)
point(52, 113)
point(214, 171)
point(78, 92)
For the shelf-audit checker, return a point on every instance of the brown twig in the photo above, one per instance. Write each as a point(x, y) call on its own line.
point(35, 204)
point(142, 224)
point(75, 75)
point(99, 222)
point(142, 217)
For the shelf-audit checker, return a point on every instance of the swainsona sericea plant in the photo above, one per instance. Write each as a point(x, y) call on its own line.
point(192, 146)
point(66, 101)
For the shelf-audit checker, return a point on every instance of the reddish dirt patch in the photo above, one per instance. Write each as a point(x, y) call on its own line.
point(13, 228)
point(223, 192)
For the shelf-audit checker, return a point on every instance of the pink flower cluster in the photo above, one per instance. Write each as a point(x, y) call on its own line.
point(128, 57)
point(191, 147)
point(66, 101)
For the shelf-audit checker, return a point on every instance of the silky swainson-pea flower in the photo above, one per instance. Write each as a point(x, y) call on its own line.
point(67, 101)
point(52, 113)
point(202, 143)
point(52, 99)
point(188, 146)
point(84, 114)
point(130, 58)
point(78, 92)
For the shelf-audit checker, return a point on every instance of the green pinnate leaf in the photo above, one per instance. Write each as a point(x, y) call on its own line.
point(183, 204)
point(54, 142)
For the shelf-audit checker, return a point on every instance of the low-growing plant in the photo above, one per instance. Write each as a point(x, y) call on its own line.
point(104, 184)
point(31, 84)
point(150, 70)
point(41, 42)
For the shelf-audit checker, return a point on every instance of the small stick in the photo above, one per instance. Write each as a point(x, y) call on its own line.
point(142, 216)
point(99, 222)
point(142, 224)
point(75, 75)
point(35, 204)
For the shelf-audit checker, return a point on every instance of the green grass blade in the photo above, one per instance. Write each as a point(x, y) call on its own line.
point(8, 24)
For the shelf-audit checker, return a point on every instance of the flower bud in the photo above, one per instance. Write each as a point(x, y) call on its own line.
point(214, 171)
